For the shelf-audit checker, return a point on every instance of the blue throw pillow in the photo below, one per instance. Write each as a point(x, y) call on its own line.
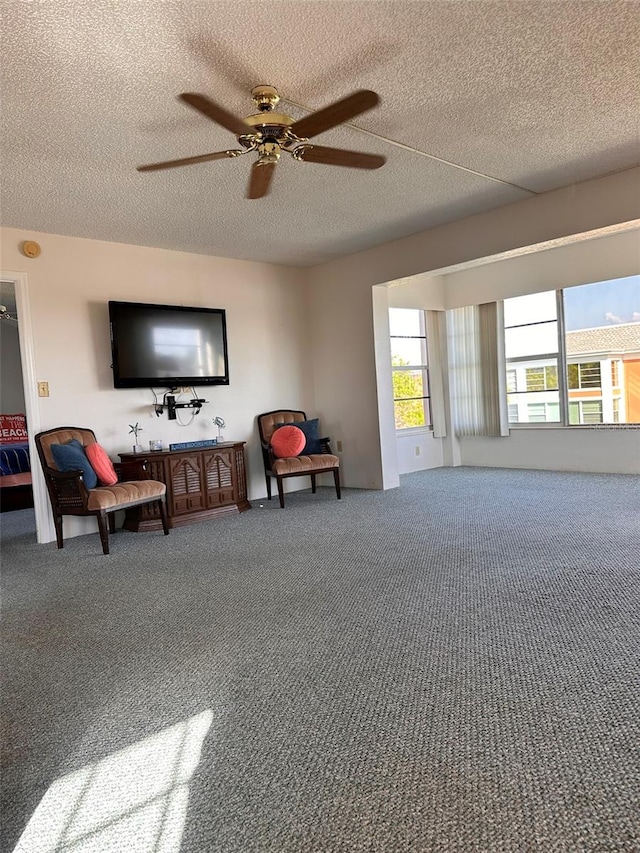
point(71, 457)
point(310, 430)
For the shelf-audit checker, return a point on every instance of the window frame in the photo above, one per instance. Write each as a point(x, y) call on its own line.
point(427, 426)
point(563, 384)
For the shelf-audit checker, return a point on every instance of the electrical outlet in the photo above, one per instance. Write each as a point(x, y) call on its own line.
point(417, 450)
point(43, 389)
point(339, 446)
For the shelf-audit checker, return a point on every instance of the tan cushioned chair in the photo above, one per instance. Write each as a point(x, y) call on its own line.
point(293, 466)
point(69, 495)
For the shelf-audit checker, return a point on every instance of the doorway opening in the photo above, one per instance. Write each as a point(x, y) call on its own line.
point(19, 392)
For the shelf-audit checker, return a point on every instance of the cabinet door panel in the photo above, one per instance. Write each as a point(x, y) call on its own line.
point(219, 470)
point(186, 485)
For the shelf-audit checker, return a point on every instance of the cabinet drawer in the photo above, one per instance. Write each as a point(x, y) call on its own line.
point(220, 497)
point(187, 503)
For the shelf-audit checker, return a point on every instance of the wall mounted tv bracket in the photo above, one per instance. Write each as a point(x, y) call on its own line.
point(170, 402)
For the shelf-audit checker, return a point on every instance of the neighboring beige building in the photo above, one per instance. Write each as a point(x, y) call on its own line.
point(604, 373)
point(603, 377)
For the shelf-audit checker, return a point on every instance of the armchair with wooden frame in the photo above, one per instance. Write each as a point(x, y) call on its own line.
point(281, 468)
point(69, 495)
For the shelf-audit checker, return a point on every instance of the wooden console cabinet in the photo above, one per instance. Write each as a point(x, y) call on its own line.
point(202, 483)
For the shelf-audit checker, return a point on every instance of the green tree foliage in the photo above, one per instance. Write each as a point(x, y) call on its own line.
point(407, 384)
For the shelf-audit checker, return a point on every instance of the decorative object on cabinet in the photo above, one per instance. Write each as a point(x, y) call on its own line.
point(219, 422)
point(303, 465)
point(69, 494)
point(202, 483)
point(135, 429)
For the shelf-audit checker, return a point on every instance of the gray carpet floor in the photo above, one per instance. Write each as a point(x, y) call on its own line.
point(449, 666)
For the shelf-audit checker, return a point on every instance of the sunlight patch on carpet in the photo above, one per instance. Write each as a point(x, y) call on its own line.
point(134, 799)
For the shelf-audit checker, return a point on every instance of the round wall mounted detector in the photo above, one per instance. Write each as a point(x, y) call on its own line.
point(31, 249)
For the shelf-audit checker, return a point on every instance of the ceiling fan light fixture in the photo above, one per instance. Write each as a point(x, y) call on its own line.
point(269, 152)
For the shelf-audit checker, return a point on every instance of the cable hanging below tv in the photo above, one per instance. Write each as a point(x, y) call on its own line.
point(167, 346)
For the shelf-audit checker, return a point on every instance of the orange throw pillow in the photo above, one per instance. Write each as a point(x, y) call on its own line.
point(288, 441)
point(101, 464)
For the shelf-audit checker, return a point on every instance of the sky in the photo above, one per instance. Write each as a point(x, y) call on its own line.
point(604, 303)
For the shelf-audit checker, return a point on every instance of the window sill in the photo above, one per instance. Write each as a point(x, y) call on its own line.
point(599, 427)
point(425, 430)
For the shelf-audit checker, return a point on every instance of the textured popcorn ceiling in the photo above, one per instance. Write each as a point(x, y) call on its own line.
point(526, 96)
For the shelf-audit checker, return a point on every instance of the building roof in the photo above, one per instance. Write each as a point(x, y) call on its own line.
point(619, 338)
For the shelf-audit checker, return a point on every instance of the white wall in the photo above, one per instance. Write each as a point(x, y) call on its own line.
point(574, 210)
point(601, 449)
point(419, 291)
point(340, 293)
point(598, 259)
point(343, 363)
point(418, 451)
point(69, 287)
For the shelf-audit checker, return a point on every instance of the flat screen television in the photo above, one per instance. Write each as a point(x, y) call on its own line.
point(167, 345)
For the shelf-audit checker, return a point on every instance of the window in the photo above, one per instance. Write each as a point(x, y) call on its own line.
point(615, 373)
point(541, 378)
point(585, 412)
point(411, 398)
point(540, 413)
point(531, 350)
point(584, 375)
point(573, 355)
point(535, 412)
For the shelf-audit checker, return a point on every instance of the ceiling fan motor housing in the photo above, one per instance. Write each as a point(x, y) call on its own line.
point(265, 97)
point(270, 134)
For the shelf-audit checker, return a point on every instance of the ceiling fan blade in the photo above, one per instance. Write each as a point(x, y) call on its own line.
point(334, 114)
point(261, 177)
point(339, 157)
point(216, 113)
point(187, 161)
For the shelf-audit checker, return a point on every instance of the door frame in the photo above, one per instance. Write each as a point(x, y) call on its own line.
point(44, 522)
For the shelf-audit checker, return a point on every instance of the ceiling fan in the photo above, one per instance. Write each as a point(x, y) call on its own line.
point(270, 133)
point(5, 314)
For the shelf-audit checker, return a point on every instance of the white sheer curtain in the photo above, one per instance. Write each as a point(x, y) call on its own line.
point(476, 370)
point(436, 346)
